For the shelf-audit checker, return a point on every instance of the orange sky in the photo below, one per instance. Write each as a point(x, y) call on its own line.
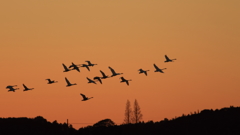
point(36, 37)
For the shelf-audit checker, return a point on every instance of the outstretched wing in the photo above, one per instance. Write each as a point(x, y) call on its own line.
point(103, 74)
point(67, 80)
point(166, 57)
point(127, 82)
point(112, 70)
point(25, 87)
point(84, 97)
point(156, 67)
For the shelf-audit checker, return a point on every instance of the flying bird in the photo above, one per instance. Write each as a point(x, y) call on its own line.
point(26, 88)
point(89, 63)
point(113, 72)
point(68, 82)
point(65, 68)
point(51, 81)
point(87, 66)
point(168, 60)
point(74, 67)
point(98, 78)
point(158, 69)
point(84, 97)
point(143, 71)
point(90, 81)
point(10, 87)
point(124, 80)
point(103, 75)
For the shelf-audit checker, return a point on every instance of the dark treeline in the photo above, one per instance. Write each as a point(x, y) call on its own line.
point(225, 121)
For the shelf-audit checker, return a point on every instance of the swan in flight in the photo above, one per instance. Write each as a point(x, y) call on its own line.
point(26, 88)
point(168, 60)
point(68, 82)
point(84, 97)
point(124, 80)
point(103, 75)
point(158, 69)
point(143, 71)
point(113, 72)
point(10, 87)
point(65, 68)
point(98, 78)
point(51, 81)
point(87, 66)
point(89, 63)
point(74, 67)
point(91, 81)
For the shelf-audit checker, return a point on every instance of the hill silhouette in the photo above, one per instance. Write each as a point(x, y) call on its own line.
point(225, 121)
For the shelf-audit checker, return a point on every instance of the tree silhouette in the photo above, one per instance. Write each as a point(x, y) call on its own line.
point(128, 113)
point(137, 115)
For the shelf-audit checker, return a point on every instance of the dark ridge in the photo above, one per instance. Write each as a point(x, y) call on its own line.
point(225, 121)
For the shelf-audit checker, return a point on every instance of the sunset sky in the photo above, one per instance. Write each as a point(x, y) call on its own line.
point(37, 36)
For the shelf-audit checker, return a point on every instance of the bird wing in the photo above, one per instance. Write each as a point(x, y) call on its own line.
point(84, 97)
point(167, 58)
point(112, 70)
point(156, 66)
point(89, 63)
point(65, 67)
point(67, 81)
point(87, 68)
point(127, 82)
point(145, 73)
point(103, 74)
point(25, 87)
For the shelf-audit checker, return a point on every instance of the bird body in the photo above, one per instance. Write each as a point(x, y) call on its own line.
point(143, 71)
point(90, 81)
point(75, 67)
point(124, 80)
point(113, 72)
point(84, 97)
point(65, 68)
point(26, 88)
point(85, 65)
point(168, 60)
point(89, 63)
point(51, 81)
point(98, 78)
point(10, 87)
point(103, 75)
point(68, 82)
point(158, 69)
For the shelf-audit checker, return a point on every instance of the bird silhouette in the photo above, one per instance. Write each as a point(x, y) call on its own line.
point(26, 88)
point(143, 71)
point(10, 87)
point(84, 97)
point(124, 80)
point(90, 81)
point(168, 60)
point(65, 68)
point(89, 63)
point(75, 67)
point(113, 72)
point(158, 69)
point(98, 78)
point(85, 65)
point(68, 82)
point(51, 81)
point(103, 75)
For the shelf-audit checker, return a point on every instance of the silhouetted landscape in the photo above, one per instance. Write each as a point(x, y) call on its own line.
point(225, 121)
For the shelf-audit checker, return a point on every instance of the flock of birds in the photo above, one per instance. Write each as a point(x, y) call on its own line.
point(95, 79)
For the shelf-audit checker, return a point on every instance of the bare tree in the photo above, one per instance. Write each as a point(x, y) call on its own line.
point(137, 115)
point(128, 113)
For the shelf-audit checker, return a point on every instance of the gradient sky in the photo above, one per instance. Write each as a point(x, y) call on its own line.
point(37, 36)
